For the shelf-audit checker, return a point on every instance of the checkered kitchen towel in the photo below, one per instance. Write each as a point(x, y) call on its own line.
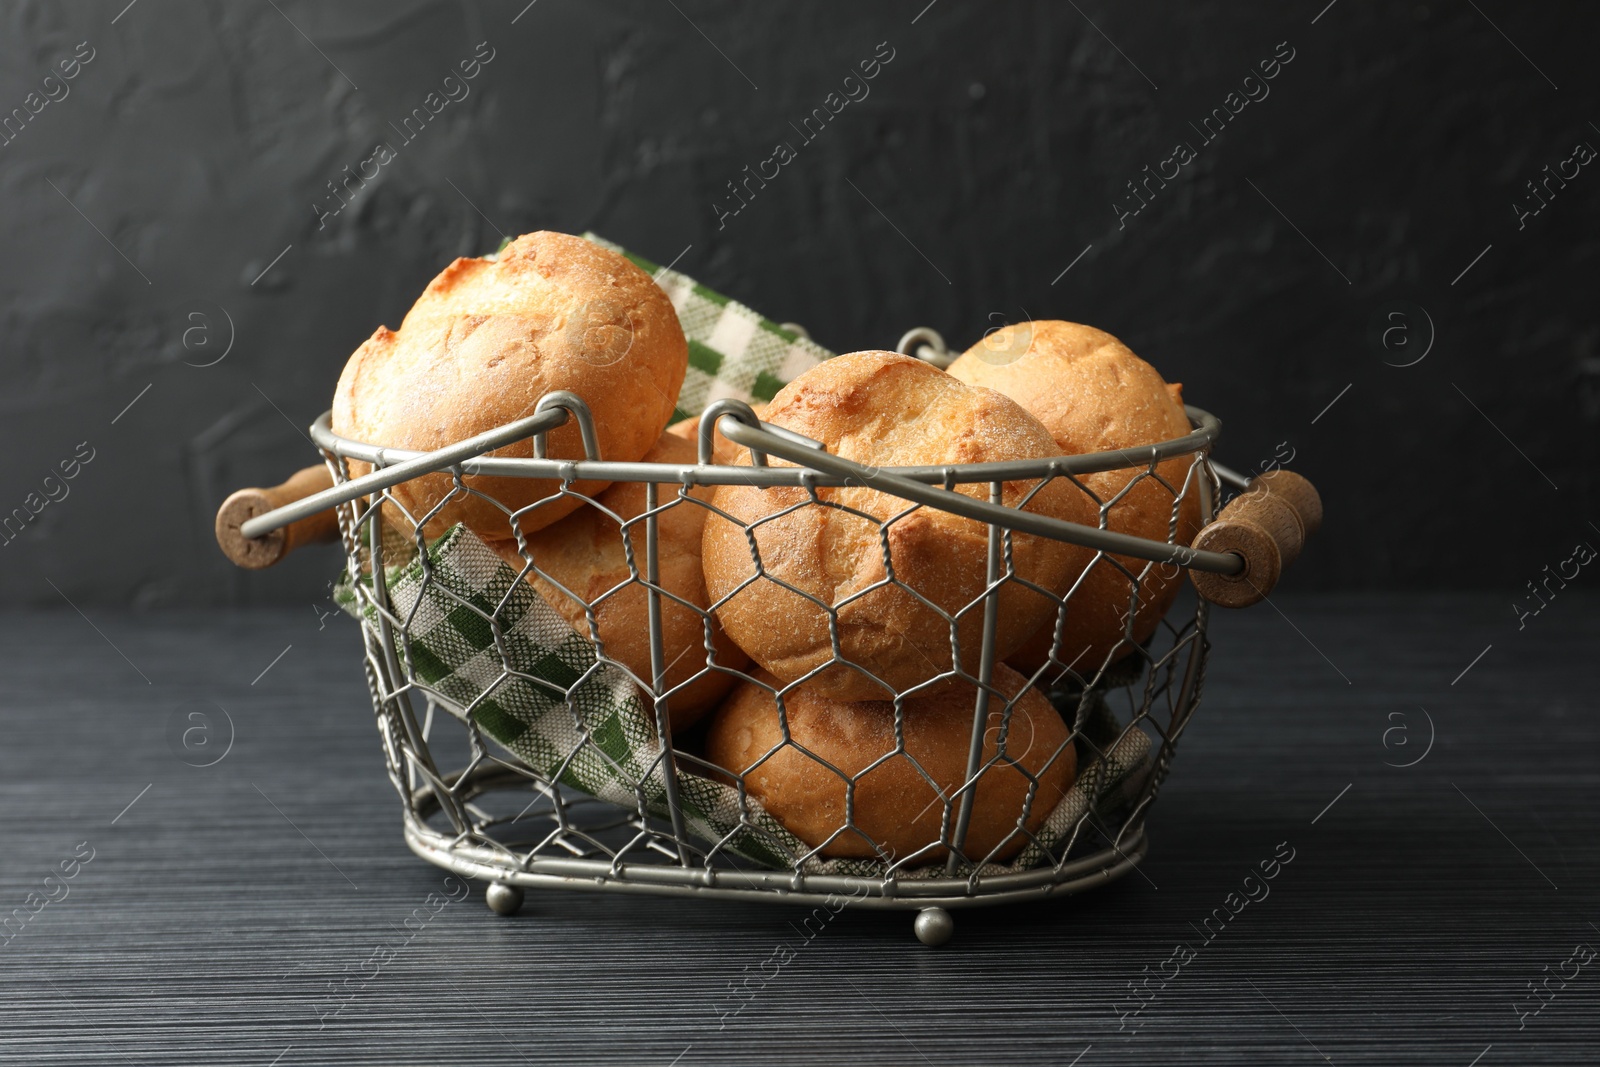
point(489, 650)
point(733, 351)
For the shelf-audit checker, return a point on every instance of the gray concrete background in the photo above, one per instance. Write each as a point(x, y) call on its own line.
point(1380, 174)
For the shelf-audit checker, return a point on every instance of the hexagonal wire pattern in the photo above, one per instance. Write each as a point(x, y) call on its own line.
point(501, 819)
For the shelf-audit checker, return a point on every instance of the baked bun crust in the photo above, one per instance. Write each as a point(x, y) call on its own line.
point(584, 552)
point(1094, 395)
point(882, 409)
point(894, 803)
point(487, 340)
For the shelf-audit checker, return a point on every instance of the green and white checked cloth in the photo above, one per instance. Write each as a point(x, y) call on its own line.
point(490, 651)
point(733, 351)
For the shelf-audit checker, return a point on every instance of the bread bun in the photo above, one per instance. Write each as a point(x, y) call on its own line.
point(1094, 395)
point(585, 554)
point(882, 409)
point(894, 804)
point(724, 452)
point(486, 341)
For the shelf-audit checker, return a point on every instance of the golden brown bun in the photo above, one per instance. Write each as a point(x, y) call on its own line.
point(894, 804)
point(584, 552)
point(882, 409)
point(723, 451)
point(1094, 395)
point(487, 340)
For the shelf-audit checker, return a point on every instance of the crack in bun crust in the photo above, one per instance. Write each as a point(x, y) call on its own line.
point(1094, 395)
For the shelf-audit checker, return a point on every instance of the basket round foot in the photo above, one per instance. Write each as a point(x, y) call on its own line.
point(503, 899)
point(933, 926)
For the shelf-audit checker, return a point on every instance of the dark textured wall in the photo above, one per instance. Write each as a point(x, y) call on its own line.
point(194, 149)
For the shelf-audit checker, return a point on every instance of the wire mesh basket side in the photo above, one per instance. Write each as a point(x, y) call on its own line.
point(505, 816)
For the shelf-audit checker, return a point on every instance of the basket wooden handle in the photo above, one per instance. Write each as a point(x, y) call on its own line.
point(248, 503)
point(1266, 526)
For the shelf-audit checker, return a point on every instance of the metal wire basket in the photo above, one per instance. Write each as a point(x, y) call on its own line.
point(520, 823)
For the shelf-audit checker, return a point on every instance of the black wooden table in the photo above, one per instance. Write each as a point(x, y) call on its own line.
point(263, 909)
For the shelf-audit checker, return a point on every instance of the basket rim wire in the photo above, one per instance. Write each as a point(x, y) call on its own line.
point(470, 850)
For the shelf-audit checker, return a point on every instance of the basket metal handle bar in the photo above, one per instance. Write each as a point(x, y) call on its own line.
point(739, 424)
point(758, 438)
point(551, 412)
point(1231, 478)
point(706, 473)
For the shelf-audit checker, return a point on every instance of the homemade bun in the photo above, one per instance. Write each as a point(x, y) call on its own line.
point(584, 553)
point(882, 409)
point(724, 452)
point(1094, 395)
point(486, 341)
point(894, 805)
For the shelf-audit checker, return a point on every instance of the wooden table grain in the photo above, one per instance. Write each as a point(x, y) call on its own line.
point(255, 911)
